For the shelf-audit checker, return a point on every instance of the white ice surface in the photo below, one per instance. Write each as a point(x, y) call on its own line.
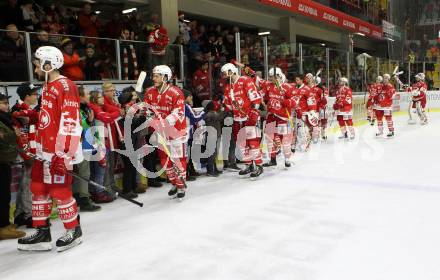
point(372, 212)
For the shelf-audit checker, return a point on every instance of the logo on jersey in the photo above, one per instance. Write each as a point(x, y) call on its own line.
point(44, 119)
point(68, 125)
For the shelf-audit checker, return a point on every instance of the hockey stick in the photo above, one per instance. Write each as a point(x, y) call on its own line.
point(77, 176)
point(162, 141)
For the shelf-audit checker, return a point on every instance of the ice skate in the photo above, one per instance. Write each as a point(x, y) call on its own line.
point(39, 240)
point(70, 239)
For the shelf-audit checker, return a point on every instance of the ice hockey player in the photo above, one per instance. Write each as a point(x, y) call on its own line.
point(321, 99)
point(57, 144)
point(418, 100)
point(316, 94)
point(372, 92)
point(168, 105)
point(344, 107)
point(383, 102)
point(306, 113)
point(279, 99)
point(242, 98)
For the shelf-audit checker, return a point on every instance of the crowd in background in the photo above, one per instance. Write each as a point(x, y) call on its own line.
point(144, 43)
point(100, 108)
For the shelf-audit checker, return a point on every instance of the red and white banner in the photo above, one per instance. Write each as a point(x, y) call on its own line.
point(328, 15)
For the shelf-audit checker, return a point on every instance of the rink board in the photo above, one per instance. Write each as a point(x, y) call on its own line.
point(400, 107)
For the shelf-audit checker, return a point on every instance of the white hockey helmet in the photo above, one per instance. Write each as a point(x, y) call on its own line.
point(379, 79)
point(310, 77)
point(420, 76)
point(229, 67)
point(163, 70)
point(343, 80)
point(386, 77)
point(318, 80)
point(276, 70)
point(49, 55)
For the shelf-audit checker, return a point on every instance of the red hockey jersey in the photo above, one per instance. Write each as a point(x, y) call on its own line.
point(168, 106)
point(59, 127)
point(384, 98)
point(344, 101)
point(275, 99)
point(240, 97)
point(202, 84)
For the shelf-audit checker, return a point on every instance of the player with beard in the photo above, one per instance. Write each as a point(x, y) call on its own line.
point(243, 100)
point(58, 145)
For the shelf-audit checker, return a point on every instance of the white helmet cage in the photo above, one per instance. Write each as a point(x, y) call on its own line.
point(386, 77)
point(278, 72)
point(379, 79)
point(420, 76)
point(310, 77)
point(48, 55)
point(344, 80)
point(229, 69)
point(163, 70)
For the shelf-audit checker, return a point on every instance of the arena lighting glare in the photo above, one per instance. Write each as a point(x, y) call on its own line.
point(185, 20)
point(97, 12)
point(322, 44)
point(127, 11)
point(264, 33)
point(389, 39)
point(360, 34)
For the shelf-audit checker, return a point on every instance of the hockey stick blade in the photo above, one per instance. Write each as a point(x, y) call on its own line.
point(140, 81)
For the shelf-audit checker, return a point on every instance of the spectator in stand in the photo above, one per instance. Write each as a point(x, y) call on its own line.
point(71, 68)
point(184, 29)
point(8, 154)
point(12, 56)
point(214, 120)
point(10, 13)
point(256, 57)
point(194, 45)
point(92, 64)
point(127, 98)
point(89, 23)
point(70, 20)
point(230, 47)
point(52, 26)
point(218, 48)
point(159, 41)
point(152, 25)
point(193, 121)
point(129, 57)
point(113, 28)
point(282, 63)
point(29, 20)
point(112, 107)
point(98, 168)
point(80, 188)
point(284, 48)
point(25, 120)
point(202, 82)
point(42, 40)
point(424, 46)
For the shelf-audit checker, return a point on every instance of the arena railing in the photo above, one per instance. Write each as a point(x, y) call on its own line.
point(17, 49)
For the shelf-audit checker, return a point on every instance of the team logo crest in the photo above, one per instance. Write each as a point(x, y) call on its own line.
point(44, 119)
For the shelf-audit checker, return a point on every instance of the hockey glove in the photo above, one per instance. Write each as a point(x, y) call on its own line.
point(253, 116)
point(58, 166)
